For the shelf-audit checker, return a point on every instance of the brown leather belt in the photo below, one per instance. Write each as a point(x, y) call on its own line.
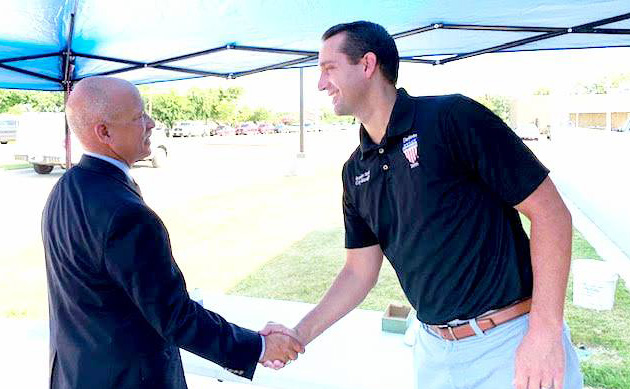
point(485, 322)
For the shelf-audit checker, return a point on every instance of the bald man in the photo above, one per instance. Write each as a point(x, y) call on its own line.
point(118, 305)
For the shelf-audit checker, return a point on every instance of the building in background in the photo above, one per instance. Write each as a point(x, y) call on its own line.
point(609, 112)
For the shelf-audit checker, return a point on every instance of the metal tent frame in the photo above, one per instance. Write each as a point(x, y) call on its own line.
point(68, 57)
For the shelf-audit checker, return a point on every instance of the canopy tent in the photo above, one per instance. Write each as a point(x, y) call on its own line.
point(48, 44)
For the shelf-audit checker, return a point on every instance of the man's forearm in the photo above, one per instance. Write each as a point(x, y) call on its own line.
point(347, 291)
point(551, 260)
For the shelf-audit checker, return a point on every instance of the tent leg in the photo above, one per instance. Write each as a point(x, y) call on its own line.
point(298, 165)
point(301, 154)
point(68, 71)
point(68, 141)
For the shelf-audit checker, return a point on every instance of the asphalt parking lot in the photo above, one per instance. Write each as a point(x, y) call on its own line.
point(590, 170)
point(197, 167)
point(207, 165)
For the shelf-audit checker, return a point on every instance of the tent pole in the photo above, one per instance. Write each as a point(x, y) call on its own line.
point(68, 141)
point(302, 111)
point(68, 71)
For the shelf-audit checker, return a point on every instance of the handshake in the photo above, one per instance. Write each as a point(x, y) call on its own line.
point(282, 345)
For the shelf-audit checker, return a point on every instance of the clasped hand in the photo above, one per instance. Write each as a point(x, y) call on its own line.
point(282, 345)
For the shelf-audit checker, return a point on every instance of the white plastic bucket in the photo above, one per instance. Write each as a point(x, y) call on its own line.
point(594, 284)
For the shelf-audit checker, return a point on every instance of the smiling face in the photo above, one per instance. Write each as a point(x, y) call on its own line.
point(344, 81)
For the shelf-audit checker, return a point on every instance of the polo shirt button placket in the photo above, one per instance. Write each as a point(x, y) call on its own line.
point(384, 161)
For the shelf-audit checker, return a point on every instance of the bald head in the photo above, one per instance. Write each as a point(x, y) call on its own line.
point(94, 101)
point(107, 115)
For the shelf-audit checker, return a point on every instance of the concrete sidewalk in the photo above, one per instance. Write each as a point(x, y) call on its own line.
point(24, 357)
point(354, 353)
point(596, 191)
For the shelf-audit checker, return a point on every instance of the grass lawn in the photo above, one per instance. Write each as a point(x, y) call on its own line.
point(308, 267)
point(243, 241)
point(15, 166)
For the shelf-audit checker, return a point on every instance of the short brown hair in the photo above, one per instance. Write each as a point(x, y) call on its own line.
point(363, 37)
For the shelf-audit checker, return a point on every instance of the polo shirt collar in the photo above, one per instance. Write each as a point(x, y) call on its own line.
point(400, 121)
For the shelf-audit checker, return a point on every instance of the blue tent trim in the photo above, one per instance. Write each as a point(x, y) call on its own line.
point(78, 38)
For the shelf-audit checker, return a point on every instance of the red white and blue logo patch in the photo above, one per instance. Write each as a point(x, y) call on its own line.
point(410, 149)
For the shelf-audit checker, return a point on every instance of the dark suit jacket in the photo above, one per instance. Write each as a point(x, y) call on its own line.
point(118, 303)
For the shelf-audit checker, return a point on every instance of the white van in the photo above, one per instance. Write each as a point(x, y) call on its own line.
point(8, 128)
point(188, 128)
point(41, 142)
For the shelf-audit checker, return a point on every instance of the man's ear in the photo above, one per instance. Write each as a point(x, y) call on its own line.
point(102, 133)
point(370, 64)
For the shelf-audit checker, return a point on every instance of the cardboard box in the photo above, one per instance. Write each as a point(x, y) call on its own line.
point(395, 318)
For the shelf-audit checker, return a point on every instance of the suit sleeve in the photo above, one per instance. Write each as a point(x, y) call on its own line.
point(138, 257)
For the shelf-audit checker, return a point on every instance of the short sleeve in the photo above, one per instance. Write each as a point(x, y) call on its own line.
point(358, 233)
point(490, 151)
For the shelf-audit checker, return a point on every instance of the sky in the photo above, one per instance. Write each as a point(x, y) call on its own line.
point(507, 74)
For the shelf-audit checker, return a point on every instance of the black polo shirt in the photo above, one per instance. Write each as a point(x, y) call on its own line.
point(437, 194)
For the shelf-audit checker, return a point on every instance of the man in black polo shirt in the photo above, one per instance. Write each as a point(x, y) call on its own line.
point(436, 185)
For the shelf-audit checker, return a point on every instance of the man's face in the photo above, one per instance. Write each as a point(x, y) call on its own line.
point(130, 127)
point(344, 81)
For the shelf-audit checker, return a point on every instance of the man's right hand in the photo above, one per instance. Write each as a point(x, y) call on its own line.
point(280, 348)
point(273, 327)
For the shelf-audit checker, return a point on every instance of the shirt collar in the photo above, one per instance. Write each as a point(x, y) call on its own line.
point(400, 122)
point(119, 164)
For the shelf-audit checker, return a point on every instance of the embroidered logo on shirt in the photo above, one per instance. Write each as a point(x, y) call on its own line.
point(362, 178)
point(410, 149)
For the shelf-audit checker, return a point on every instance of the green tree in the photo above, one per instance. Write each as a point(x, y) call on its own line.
point(198, 104)
point(216, 104)
point(46, 101)
point(225, 109)
point(329, 117)
point(202, 103)
point(169, 108)
point(542, 91)
point(500, 105)
point(16, 101)
point(243, 114)
point(10, 98)
point(619, 80)
point(596, 88)
point(260, 115)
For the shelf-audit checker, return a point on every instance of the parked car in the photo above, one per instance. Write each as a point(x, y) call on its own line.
point(546, 131)
point(266, 128)
point(292, 128)
point(42, 142)
point(528, 131)
point(225, 130)
point(625, 128)
point(8, 128)
point(247, 128)
point(159, 147)
point(251, 129)
point(211, 128)
point(310, 127)
point(188, 128)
